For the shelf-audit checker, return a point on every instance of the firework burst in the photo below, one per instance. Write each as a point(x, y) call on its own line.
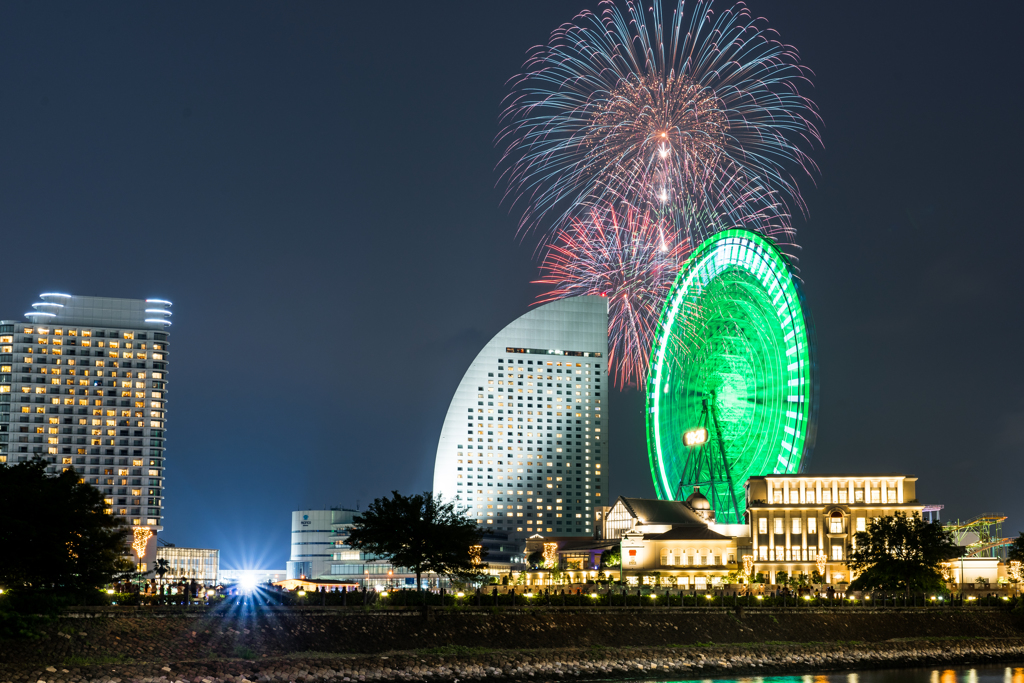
point(620, 106)
point(620, 255)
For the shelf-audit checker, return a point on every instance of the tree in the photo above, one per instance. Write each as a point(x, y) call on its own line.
point(535, 559)
point(611, 557)
point(901, 552)
point(782, 578)
point(421, 532)
point(55, 532)
point(1016, 549)
point(161, 567)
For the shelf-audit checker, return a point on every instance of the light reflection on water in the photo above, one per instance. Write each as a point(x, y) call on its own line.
point(966, 674)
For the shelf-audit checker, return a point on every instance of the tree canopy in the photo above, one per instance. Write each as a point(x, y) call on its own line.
point(611, 557)
point(55, 532)
point(1016, 549)
point(422, 532)
point(901, 552)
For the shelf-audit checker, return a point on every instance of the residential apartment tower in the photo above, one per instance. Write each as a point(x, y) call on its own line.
point(83, 384)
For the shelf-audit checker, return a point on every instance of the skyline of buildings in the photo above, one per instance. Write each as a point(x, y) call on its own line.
point(525, 441)
point(83, 384)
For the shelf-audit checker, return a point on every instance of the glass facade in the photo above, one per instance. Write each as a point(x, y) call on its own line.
point(187, 564)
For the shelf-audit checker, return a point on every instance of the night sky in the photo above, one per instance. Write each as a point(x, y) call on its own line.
point(313, 186)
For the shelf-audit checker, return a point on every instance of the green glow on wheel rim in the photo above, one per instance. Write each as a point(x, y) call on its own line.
point(734, 324)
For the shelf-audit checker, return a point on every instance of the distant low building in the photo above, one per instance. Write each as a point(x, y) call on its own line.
point(316, 584)
point(187, 564)
point(320, 551)
point(312, 541)
point(254, 576)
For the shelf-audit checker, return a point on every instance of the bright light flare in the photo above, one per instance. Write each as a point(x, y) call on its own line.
point(695, 437)
point(247, 583)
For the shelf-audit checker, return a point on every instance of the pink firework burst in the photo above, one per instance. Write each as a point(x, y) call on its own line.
point(623, 255)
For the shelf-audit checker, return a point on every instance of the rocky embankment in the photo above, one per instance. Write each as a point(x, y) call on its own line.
point(285, 645)
point(544, 665)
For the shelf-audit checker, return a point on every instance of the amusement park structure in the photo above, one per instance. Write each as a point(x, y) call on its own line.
point(731, 392)
point(987, 528)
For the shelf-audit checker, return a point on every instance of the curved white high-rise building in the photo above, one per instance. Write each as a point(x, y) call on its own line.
point(525, 441)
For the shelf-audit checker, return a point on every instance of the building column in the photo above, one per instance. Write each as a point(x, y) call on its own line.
point(803, 528)
point(753, 534)
point(787, 528)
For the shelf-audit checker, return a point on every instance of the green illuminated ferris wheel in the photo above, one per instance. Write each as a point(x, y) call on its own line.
point(731, 388)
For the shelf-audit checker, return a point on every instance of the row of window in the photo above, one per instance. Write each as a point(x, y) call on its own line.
point(834, 522)
point(693, 558)
point(842, 496)
point(42, 351)
point(99, 334)
point(780, 554)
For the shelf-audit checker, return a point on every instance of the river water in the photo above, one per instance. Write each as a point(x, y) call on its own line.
point(964, 674)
